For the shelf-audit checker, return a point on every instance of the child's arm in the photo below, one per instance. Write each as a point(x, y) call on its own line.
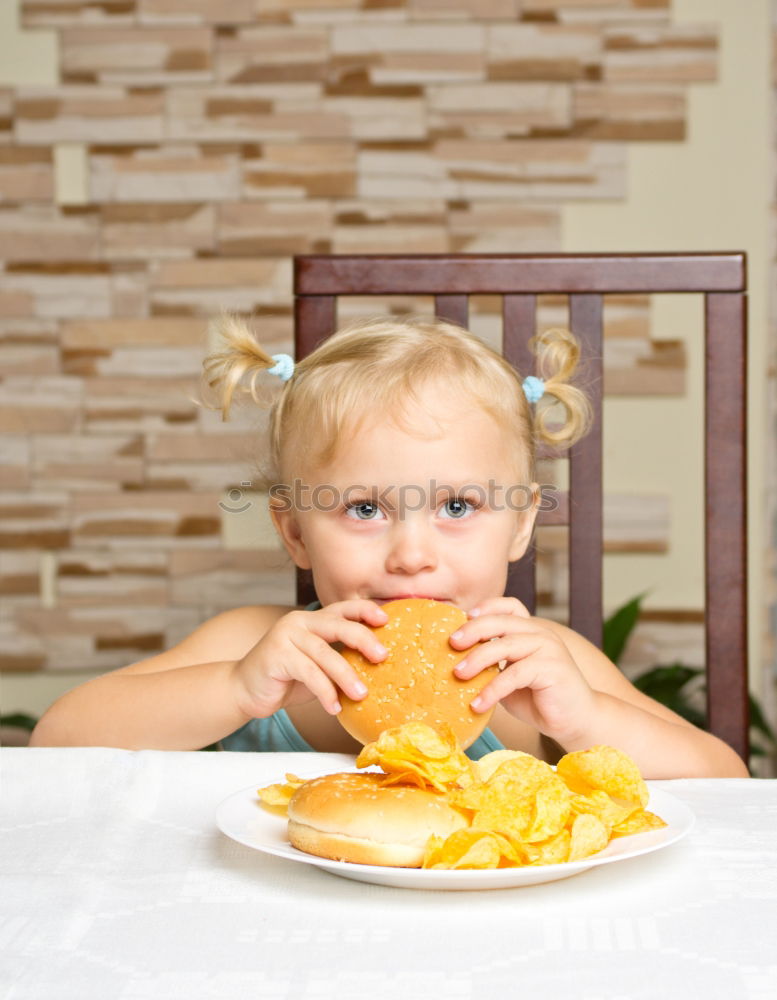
point(240, 665)
point(570, 691)
point(670, 745)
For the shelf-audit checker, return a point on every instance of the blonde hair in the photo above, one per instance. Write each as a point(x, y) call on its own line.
point(379, 366)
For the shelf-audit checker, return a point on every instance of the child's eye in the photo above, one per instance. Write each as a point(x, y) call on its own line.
point(364, 511)
point(456, 507)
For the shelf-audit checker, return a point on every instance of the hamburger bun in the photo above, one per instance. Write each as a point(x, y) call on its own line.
point(353, 817)
point(415, 682)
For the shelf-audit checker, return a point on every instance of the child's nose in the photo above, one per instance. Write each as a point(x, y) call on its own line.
point(411, 549)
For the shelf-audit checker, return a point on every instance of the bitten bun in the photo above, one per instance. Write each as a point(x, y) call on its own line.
point(415, 683)
point(353, 817)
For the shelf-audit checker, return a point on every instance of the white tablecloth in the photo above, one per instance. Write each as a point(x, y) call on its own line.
point(116, 884)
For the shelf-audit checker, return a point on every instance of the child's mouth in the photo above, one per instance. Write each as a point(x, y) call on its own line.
point(409, 597)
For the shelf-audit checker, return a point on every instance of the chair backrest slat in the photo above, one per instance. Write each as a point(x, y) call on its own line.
point(726, 513)
point(454, 308)
point(585, 477)
point(497, 274)
point(315, 317)
point(584, 279)
point(519, 319)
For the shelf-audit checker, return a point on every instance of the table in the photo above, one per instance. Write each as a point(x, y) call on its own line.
point(116, 884)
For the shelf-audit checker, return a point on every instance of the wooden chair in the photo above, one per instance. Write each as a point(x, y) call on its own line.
point(585, 279)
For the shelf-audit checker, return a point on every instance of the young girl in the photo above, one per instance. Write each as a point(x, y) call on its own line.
point(401, 465)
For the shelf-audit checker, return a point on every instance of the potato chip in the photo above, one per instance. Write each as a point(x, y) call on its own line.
point(471, 849)
point(435, 758)
point(502, 802)
point(427, 741)
point(599, 804)
point(607, 769)
point(588, 835)
point(523, 767)
point(489, 763)
point(523, 799)
point(501, 819)
point(552, 806)
point(639, 822)
point(405, 778)
point(516, 777)
point(475, 849)
point(553, 851)
point(277, 797)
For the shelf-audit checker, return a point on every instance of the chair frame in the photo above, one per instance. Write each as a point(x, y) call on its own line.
point(319, 280)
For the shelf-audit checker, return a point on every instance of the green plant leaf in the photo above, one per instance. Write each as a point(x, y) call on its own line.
point(758, 720)
point(619, 626)
point(666, 684)
point(20, 720)
point(667, 679)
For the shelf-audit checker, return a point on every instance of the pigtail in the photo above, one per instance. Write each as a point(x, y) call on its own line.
point(237, 366)
point(558, 354)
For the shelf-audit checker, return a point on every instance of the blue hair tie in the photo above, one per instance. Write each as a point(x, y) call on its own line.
point(533, 388)
point(283, 367)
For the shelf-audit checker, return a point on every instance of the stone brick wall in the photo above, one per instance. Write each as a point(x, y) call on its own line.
point(188, 150)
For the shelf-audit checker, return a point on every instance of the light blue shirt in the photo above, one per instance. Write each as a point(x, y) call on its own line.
point(278, 733)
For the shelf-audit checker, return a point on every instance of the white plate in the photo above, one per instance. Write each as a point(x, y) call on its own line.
point(244, 819)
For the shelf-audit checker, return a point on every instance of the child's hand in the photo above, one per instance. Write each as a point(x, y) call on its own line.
point(540, 683)
point(295, 662)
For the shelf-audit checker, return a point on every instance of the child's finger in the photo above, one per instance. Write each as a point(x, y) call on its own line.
point(321, 687)
point(352, 633)
point(510, 648)
point(490, 627)
point(500, 606)
point(517, 676)
point(323, 671)
point(358, 610)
